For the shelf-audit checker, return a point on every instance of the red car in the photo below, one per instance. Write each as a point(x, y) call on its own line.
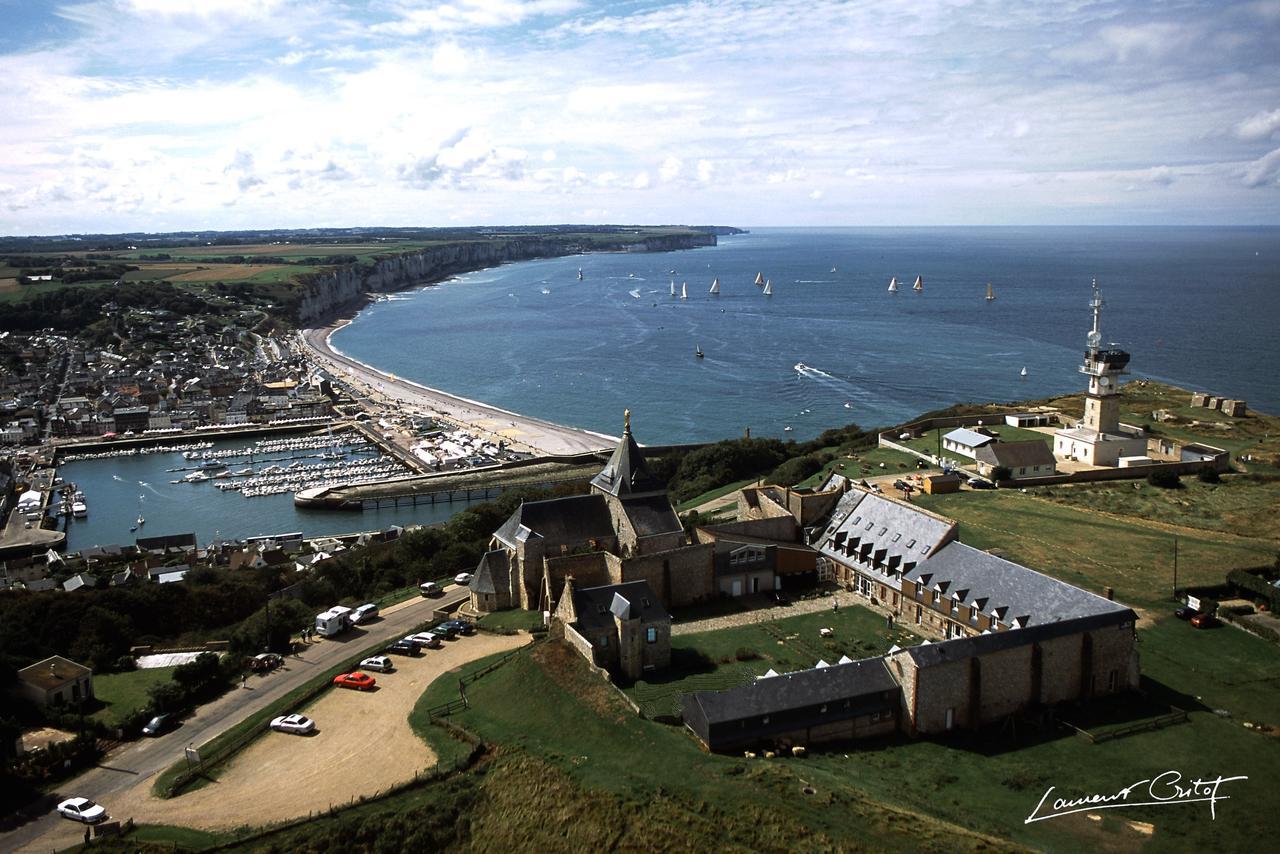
point(359, 681)
point(1204, 621)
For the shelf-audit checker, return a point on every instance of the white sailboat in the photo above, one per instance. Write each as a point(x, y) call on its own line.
point(893, 285)
point(991, 294)
point(684, 290)
point(919, 285)
point(833, 269)
point(768, 288)
point(579, 274)
point(759, 278)
point(1023, 373)
point(673, 287)
point(715, 286)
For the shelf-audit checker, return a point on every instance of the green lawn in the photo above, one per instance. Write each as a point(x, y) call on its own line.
point(1092, 550)
point(931, 440)
point(124, 693)
point(569, 734)
point(726, 658)
point(516, 619)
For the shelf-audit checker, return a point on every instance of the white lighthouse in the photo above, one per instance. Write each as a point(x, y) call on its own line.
point(1099, 439)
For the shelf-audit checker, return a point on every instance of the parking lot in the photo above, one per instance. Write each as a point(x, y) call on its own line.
point(363, 745)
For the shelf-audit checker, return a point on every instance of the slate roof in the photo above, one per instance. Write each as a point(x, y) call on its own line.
point(559, 521)
point(167, 541)
point(968, 438)
point(1016, 454)
point(1006, 590)
point(626, 472)
point(868, 527)
point(596, 606)
point(493, 573)
point(651, 514)
point(958, 649)
point(804, 689)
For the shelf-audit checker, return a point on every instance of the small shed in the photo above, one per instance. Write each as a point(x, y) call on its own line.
point(56, 681)
point(940, 484)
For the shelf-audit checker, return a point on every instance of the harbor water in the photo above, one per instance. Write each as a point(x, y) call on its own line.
point(120, 488)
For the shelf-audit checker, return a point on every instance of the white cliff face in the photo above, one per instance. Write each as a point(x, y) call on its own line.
point(324, 294)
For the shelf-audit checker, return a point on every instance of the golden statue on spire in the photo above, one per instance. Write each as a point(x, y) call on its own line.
point(626, 421)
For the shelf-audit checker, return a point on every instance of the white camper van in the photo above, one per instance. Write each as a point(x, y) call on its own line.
point(334, 621)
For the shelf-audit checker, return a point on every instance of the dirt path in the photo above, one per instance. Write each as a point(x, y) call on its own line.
point(363, 745)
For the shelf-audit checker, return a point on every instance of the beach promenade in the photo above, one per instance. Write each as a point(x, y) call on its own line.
point(397, 394)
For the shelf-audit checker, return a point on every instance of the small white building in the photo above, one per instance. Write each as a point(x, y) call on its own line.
point(965, 442)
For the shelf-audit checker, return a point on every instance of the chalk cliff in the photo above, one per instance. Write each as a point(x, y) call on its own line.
point(322, 295)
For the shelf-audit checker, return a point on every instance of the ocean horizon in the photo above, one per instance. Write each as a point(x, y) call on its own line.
point(831, 345)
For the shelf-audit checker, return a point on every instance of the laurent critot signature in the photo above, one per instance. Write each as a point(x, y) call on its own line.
point(1163, 790)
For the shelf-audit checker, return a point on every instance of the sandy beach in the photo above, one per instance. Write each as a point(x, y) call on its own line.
point(395, 393)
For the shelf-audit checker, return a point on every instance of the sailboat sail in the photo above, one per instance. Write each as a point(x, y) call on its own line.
point(684, 290)
point(579, 274)
point(991, 294)
point(759, 278)
point(673, 287)
point(893, 285)
point(715, 286)
point(919, 285)
point(768, 288)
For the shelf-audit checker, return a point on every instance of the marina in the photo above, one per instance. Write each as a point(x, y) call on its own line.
point(127, 493)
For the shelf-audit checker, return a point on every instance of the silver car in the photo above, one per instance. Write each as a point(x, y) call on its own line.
point(296, 724)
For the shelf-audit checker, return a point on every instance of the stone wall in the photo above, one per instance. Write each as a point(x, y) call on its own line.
point(588, 570)
point(678, 577)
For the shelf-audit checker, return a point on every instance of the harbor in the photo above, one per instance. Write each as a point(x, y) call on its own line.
point(228, 489)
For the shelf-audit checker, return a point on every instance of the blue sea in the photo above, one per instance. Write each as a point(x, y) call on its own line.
point(1195, 306)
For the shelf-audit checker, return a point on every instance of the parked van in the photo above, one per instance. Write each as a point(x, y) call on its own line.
point(334, 621)
point(364, 614)
point(429, 588)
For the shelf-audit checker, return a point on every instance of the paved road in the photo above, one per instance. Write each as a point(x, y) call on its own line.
point(134, 765)
point(541, 435)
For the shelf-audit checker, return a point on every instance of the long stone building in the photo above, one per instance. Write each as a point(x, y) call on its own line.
point(1010, 640)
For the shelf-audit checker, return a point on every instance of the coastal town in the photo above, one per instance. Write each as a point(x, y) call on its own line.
point(864, 614)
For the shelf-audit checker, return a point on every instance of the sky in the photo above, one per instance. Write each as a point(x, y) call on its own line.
point(161, 115)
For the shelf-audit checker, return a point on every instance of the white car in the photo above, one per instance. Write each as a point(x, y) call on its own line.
point(364, 614)
point(380, 663)
point(463, 578)
point(81, 809)
point(296, 724)
point(428, 639)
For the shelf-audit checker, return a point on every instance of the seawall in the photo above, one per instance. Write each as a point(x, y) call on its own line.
point(323, 296)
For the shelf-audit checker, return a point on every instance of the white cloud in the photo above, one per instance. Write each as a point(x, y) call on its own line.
point(816, 194)
point(641, 181)
point(705, 170)
point(1259, 126)
point(1264, 171)
point(417, 18)
point(670, 168)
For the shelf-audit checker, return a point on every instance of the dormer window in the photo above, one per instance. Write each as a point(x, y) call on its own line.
point(896, 537)
point(884, 530)
point(924, 550)
point(870, 525)
point(911, 544)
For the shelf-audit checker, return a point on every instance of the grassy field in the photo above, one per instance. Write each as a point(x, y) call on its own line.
point(124, 693)
point(709, 661)
point(1245, 505)
point(516, 619)
point(1092, 550)
point(570, 740)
